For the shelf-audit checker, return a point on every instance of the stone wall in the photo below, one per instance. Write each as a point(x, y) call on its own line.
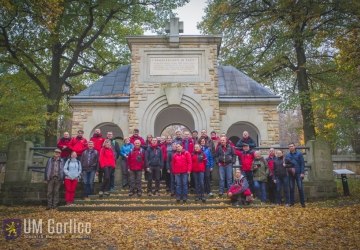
point(350, 162)
point(80, 116)
point(264, 117)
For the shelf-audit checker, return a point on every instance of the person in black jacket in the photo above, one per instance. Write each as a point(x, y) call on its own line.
point(154, 163)
point(246, 139)
point(281, 178)
point(89, 163)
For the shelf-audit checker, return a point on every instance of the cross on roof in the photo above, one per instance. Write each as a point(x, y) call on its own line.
point(174, 27)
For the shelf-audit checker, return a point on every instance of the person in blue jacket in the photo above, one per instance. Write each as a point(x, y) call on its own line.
point(296, 159)
point(209, 166)
point(125, 149)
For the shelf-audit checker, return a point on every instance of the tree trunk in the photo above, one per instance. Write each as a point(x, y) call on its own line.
point(304, 92)
point(51, 125)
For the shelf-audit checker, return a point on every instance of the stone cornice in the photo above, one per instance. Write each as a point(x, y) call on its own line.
point(99, 101)
point(249, 100)
point(185, 39)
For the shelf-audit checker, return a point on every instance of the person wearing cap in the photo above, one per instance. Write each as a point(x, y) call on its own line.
point(246, 159)
point(136, 136)
point(54, 176)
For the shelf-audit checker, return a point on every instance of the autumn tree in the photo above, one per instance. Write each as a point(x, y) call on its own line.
point(284, 43)
point(60, 44)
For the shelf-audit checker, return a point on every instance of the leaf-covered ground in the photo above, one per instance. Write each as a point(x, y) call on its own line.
point(331, 224)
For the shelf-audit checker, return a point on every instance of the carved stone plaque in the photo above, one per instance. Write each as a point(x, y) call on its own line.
point(170, 66)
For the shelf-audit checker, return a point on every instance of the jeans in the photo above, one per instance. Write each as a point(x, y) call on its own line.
point(207, 183)
point(88, 179)
point(260, 187)
point(172, 183)
point(300, 187)
point(181, 186)
point(199, 184)
point(124, 173)
point(225, 172)
point(282, 182)
point(135, 181)
point(250, 178)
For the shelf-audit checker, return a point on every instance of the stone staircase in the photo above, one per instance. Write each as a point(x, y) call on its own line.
point(120, 201)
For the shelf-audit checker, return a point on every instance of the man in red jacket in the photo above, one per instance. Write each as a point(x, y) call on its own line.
point(246, 158)
point(136, 136)
point(78, 144)
point(63, 144)
point(181, 168)
point(97, 139)
point(136, 164)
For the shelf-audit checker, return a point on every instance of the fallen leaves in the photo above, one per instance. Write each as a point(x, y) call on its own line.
point(280, 227)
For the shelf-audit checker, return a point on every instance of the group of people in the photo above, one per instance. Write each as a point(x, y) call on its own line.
point(185, 161)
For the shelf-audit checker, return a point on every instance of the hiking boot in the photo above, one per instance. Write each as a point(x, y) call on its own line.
point(107, 193)
point(47, 208)
point(149, 194)
point(139, 194)
point(203, 200)
point(131, 194)
point(101, 193)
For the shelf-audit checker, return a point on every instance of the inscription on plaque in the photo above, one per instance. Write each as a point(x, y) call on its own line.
point(180, 66)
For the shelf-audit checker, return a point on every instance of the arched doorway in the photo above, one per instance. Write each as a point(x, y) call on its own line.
point(173, 115)
point(109, 126)
point(234, 133)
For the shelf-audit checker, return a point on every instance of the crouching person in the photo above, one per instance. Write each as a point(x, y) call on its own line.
point(239, 191)
point(72, 171)
point(54, 176)
point(136, 164)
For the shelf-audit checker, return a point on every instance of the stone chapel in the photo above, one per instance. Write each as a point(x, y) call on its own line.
point(176, 80)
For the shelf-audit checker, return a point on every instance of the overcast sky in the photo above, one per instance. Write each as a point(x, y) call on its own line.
point(191, 14)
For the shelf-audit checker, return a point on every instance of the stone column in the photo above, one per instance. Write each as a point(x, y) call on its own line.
point(19, 158)
point(321, 182)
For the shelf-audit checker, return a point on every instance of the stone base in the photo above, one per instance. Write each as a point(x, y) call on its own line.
point(318, 190)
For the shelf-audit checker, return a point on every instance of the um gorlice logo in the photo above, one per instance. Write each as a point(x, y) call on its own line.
point(12, 228)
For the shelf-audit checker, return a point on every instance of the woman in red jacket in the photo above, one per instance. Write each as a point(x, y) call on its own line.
point(107, 163)
point(181, 168)
point(199, 162)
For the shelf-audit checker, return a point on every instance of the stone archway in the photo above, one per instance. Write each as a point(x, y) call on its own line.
point(109, 126)
point(235, 131)
point(173, 115)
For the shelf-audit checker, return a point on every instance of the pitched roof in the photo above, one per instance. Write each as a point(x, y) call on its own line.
point(232, 83)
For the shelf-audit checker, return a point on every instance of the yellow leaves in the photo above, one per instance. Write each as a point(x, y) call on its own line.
point(317, 227)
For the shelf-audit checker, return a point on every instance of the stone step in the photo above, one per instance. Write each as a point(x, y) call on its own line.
point(144, 196)
point(146, 201)
point(181, 207)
